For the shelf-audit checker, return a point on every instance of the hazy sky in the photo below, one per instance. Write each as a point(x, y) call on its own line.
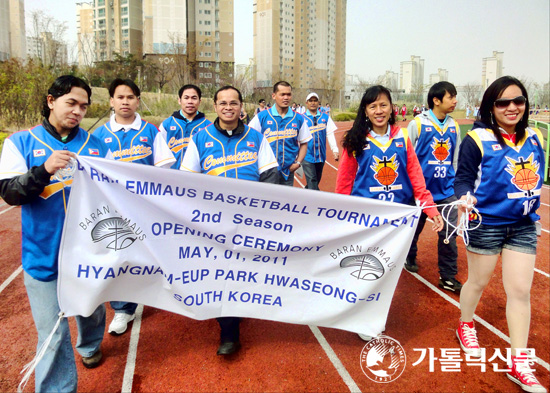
point(449, 34)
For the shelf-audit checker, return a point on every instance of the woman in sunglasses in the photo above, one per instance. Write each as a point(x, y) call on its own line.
point(501, 171)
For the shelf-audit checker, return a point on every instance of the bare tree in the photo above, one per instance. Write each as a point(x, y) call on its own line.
point(472, 93)
point(47, 33)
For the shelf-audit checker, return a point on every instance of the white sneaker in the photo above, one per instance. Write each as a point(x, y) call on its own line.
point(365, 337)
point(120, 323)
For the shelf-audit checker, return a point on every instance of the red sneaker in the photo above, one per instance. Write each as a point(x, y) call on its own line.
point(522, 374)
point(467, 338)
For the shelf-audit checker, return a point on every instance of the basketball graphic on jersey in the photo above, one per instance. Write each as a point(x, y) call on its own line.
point(385, 170)
point(440, 149)
point(524, 173)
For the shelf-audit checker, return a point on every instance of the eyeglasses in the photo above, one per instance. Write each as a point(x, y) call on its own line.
point(232, 104)
point(502, 103)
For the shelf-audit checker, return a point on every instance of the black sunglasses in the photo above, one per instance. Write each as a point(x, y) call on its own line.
point(502, 103)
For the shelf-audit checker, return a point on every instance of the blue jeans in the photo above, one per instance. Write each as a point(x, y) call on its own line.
point(491, 239)
point(286, 182)
point(56, 372)
point(125, 307)
point(313, 172)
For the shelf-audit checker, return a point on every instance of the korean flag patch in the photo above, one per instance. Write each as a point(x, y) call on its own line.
point(39, 153)
point(108, 140)
point(496, 147)
point(209, 144)
point(428, 129)
point(270, 122)
point(143, 139)
point(172, 128)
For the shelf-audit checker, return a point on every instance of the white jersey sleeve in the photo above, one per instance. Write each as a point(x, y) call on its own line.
point(12, 162)
point(191, 160)
point(163, 156)
point(331, 127)
point(266, 158)
point(255, 124)
point(304, 135)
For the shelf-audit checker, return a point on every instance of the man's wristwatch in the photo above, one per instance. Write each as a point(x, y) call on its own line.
point(298, 162)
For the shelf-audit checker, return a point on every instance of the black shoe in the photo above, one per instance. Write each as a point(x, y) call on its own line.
point(92, 361)
point(411, 266)
point(450, 284)
point(228, 348)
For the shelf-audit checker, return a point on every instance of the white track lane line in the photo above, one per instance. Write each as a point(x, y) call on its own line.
point(348, 380)
point(130, 368)
point(477, 318)
point(7, 210)
point(10, 278)
point(299, 182)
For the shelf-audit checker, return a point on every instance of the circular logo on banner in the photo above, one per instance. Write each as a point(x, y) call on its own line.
point(383, 359)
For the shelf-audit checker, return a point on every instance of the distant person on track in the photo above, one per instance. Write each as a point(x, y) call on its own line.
point(184, 123)
point(286, 131)
point(29, 161)
point(404, 112)
point(131, 139)
point(261, 106)
point(373, 142)
point(322, 130)
point(436, 139)
point(228, 140)
point(468, 111)
point(500, 172)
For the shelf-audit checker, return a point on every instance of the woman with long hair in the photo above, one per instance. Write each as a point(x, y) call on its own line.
point(379, 161)
point(500, 172)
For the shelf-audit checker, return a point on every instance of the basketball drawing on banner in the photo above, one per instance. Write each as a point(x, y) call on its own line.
point(370, 268)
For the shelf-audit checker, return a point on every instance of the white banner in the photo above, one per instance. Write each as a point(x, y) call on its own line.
point(205, 246)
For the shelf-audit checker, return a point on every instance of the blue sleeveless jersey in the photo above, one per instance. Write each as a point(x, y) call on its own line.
point(435, 150)
point(382, 170)
point(180, 132)
point(42, 219)
point(235, 157)
point(317, 146)
point(282, 135)
point(135, 146)
point(510, 177)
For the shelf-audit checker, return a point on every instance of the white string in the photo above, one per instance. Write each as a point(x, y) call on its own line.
point(29, 367)
point(463, 225)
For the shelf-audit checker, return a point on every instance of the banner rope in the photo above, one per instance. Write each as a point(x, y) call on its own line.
point(29, 367)
point(463, 224)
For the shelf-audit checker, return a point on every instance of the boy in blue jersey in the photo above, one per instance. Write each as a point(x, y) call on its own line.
point(286, 131)
point(322, 129)
point(27, 166)
point(436, 137)
point(131, 139)
point(183, 124)
point(231, 149)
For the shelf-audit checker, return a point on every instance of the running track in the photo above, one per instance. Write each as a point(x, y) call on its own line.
point(167, 352)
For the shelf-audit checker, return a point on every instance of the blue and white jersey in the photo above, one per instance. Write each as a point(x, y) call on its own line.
point(178, 131)
point(42, 219)
point(516, 172)
point(382, 170)
point(139, 142)
point(321, 128)
point(284, 134)
point(243, 156)
point(436, 151)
